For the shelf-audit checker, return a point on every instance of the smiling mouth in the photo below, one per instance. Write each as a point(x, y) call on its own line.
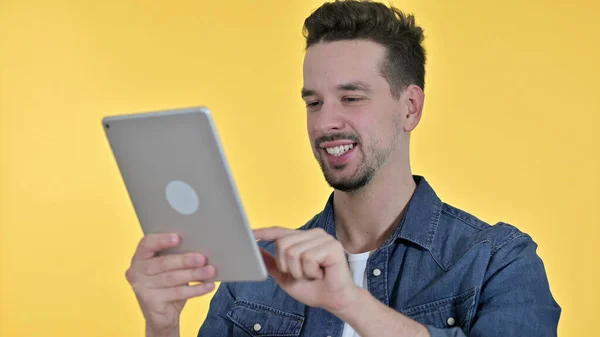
point(337, 151)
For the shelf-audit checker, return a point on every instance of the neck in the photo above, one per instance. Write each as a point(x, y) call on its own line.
point(364, 219)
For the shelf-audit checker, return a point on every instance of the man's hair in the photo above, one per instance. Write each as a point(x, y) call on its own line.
point(404, 63)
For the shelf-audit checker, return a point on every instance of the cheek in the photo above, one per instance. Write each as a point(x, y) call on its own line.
point(397, 123)
point(384, 128)
point(310, 129)
point(312, 124)
point(370, 125)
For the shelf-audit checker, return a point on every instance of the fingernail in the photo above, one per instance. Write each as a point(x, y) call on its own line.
point(173, 238)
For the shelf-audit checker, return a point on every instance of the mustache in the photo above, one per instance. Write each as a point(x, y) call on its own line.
point(337, 136)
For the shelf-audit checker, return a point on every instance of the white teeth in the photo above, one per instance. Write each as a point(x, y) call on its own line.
point(339, 150)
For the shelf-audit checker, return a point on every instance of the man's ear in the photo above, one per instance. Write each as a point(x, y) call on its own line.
point(414, 98)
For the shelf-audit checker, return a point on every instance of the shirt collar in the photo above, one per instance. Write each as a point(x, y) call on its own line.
point(419, 223)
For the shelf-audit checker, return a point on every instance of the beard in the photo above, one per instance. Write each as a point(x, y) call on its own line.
point(347, 185)
point(363, 175)
point(351, 184)
point(373, 158)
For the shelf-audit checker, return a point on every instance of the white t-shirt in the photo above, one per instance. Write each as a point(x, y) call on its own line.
point(358, 264)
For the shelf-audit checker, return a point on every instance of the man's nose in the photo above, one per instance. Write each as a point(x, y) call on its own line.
point(329, 118)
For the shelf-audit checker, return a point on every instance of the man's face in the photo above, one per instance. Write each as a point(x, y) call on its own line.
point(354, 123)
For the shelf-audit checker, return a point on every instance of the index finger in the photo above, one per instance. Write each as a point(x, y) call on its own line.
point(272, 233)
point(152, 243)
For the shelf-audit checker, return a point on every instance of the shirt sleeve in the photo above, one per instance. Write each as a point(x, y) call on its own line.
point(217, 324)
point(515, 299)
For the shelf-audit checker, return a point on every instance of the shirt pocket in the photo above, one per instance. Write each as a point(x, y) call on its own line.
point(450, 312)
point(253, 319)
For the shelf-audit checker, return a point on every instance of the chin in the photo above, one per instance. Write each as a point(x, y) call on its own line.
point(348, 183)
point(347, 186)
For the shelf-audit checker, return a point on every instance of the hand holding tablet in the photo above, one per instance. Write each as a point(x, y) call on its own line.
point(183, 194)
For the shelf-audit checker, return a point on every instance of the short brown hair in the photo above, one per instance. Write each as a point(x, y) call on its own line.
point(388, 26)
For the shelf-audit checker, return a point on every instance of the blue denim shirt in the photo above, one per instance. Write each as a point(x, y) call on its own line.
point(441, 267)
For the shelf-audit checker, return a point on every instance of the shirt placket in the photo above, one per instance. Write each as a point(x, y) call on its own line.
point(377, 275)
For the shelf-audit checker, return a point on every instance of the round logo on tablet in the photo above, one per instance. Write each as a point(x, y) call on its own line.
point(182, 197)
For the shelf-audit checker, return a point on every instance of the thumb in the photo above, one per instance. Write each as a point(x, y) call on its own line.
point(271, 264)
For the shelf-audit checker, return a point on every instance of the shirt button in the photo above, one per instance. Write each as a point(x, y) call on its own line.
point(257, 327)
point(451, 321)
point(376, 272)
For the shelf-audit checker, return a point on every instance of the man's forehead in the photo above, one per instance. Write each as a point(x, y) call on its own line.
point(335, 65)
point(345, 49)
point(339, 58)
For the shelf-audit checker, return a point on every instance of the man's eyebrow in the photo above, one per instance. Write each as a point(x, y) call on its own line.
point(307, 92)
point(351, 86)
point(355, 86)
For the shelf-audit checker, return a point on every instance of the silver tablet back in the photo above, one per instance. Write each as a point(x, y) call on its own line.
point(178, 180)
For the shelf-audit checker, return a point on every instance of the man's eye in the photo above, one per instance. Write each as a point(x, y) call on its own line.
point(313, 104)
point(353, 99)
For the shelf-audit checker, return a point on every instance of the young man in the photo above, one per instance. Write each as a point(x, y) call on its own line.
point(385, 257)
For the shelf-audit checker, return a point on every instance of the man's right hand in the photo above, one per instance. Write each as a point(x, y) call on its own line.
point(161, 283)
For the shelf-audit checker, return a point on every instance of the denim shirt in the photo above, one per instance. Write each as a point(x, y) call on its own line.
point(442, 267)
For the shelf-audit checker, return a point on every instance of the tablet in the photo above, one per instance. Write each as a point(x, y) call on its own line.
point(178, 180)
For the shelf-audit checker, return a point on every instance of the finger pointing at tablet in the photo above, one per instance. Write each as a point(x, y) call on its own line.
point(310, 265)
point(162, 283)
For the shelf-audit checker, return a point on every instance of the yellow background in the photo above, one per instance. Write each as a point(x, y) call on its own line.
point(510, 132)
